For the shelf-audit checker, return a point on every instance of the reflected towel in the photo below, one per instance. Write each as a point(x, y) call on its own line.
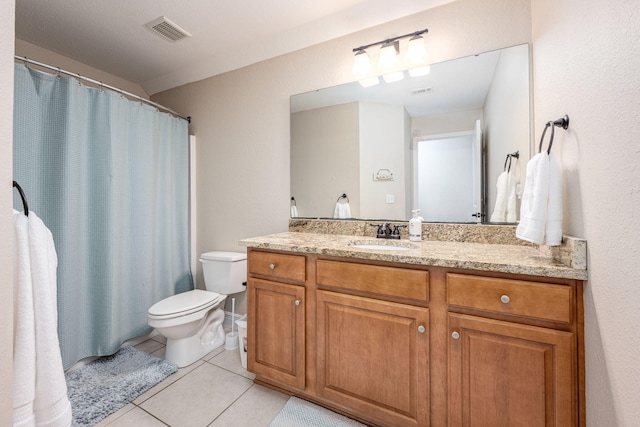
point(342, 211)
point(505, 207)
point(541, 209)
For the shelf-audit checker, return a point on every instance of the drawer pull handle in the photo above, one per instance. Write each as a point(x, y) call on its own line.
point(505, 299)
point(421, 329)
point(272, 266)
point(297, 302)
point(455, 335)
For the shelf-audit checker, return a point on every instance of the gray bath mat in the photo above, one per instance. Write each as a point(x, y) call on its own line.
point(300, 413)
point(109, 383)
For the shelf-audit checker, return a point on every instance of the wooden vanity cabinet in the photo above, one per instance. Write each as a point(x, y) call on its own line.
point(511, 373)
point(373, 353)
point(276, 328)
point(395, 345)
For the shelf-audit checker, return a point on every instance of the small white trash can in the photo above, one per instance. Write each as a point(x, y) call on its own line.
point(242, 339)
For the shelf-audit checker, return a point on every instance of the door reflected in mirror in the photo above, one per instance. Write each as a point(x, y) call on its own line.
point(440, 141)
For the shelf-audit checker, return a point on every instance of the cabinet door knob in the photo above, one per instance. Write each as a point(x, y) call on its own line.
point(455, 335)
point(421, 329)
point(297, 302)
point(505, 299)
point(272, 266)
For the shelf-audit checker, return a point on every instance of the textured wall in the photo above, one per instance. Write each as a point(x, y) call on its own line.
point(241, 118)
point(6, 201)
point(586, 62)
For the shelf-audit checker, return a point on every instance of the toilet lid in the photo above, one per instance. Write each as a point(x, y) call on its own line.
point(184, 303)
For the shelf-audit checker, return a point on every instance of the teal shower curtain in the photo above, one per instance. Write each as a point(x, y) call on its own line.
point(110, 178)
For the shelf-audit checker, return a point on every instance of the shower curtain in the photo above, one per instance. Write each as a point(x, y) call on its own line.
point(110, 178)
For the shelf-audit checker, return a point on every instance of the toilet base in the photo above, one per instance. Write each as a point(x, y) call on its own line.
point(185, 351)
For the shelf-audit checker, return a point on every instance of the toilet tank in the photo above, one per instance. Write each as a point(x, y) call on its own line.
point(224, 272)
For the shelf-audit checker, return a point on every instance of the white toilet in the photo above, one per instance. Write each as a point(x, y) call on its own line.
point(192, 320)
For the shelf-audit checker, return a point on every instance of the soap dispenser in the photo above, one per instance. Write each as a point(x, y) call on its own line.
point(415, 226)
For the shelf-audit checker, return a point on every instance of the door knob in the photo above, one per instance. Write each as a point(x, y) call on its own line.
point(297, 302)
point(272, 266)
point(455, 335)
point(505, 299)
point(421, 329)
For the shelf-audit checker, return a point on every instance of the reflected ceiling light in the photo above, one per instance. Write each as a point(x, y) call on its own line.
point(417, 57)
point(389, 65)
point(363, 70)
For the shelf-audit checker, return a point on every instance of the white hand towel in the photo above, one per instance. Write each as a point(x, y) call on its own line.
point(499, 211)
point(294, 211)
point(553, 229)
point(342, 211)
point(512, 215)
point(505, 207)
point(52, 406)
point(24, 343)
point(533, 210)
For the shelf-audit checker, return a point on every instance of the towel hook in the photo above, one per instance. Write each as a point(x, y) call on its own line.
point(293, 200)
point(562, 122)
point(23, 197)
point(344, 196)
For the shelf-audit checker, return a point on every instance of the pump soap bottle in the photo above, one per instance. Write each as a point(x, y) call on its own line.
point(415, 226)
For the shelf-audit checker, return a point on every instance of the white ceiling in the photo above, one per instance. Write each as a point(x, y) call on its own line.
point(227, 34)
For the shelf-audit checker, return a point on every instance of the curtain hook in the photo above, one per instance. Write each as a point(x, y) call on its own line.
point(58, 74)
point(26, 62)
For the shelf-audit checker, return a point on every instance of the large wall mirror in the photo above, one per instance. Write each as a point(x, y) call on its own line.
point(437, 142)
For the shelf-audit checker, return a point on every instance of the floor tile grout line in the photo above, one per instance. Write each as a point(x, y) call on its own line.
point(231, 404)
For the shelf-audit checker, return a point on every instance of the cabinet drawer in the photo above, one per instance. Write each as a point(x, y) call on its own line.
point(277, 266)
point(384, 281)
point(543, 301)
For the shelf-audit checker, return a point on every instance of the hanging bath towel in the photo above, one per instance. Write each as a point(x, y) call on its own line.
point(541, 209)
point(36, 264)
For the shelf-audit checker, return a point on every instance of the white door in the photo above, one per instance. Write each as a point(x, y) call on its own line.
point(447, 177)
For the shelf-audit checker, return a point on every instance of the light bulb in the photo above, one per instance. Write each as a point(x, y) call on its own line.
point(417, 57)
point(388, 63)
point(363, 70)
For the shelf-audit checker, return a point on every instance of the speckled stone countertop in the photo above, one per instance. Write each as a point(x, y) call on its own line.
point(505, 258)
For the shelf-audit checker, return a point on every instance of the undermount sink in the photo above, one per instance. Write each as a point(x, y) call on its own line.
point(390, 245)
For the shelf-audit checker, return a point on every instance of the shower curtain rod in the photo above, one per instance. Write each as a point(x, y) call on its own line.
point(100, 85)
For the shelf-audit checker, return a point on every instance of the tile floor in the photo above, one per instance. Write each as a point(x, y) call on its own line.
point(214, 391)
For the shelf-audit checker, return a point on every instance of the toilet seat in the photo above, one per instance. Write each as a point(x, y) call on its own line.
point(184, 304)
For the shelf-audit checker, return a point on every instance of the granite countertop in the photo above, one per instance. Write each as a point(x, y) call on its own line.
point(505, 258)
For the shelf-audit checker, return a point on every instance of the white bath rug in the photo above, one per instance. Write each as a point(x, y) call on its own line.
point(109, 383)
point(300, 413)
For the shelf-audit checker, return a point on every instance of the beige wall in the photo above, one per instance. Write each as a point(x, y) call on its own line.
point(6, 201)
point(318, 176)
point(241, 118)
point(31, 51)
point(586, 56)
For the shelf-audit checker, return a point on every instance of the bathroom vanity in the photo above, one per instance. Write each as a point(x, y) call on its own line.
point(416, 334)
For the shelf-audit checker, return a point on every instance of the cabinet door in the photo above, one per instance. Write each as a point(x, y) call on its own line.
point(507, 374)
point(373, 357)
point(276, 333)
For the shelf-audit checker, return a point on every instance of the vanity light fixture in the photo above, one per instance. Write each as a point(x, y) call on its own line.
point(363, 70)
point(389, 64)
point(417, 57)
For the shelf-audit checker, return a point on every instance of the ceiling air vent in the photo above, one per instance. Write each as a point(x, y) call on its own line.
point(167, 30)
